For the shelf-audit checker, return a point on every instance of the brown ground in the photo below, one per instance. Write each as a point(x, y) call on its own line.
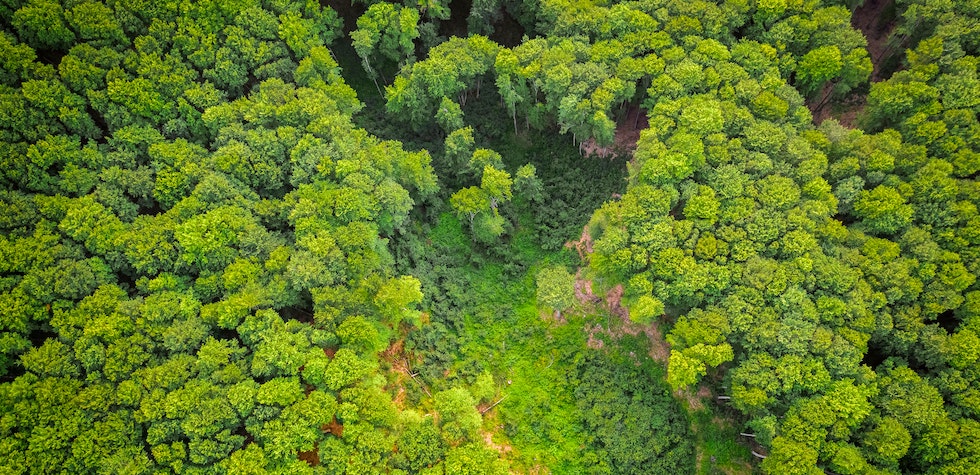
point(583, 246)
point(399, 363)
point(311, 457)
point(583, 290)
point(594, 342)
point(614, 304)
point(624, 140)
point(334, 427)
point(694, 399)
point(869, 19)
point(393, 353)
point(659, 349)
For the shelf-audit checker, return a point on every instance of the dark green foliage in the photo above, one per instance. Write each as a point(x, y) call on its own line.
point(207, 266)
point(175, 199)
point(786, 249)
point(635, 425)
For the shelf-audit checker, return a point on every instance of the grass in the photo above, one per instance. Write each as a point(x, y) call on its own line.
point(531, 358)
point(482, 297)
point(719, 451)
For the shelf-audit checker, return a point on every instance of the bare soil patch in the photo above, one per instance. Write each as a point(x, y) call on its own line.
point(334, 427)
point(624, 139)
point(583, 290)
point(311, 457)
point(584, 293)
point(704, 393)
point(659, 349)
point(398, 360)
point(583, 246)
point(593, 342)
point(614, 299)
point(692, 399)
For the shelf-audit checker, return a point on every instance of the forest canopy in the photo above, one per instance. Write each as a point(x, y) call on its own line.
point(263, 236)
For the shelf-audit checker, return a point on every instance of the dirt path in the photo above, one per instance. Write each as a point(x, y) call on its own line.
point(612, 302)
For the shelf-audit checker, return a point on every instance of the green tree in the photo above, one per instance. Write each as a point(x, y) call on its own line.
point(458, 418)
point(473, 459)
point(469, 202)
point(791, 457)
point(888, 442)
point(449, 116)
point(555, 288)
point(497, 185)
point(883, 210)
point(41, 24)
point(396, 299)
point(386, 31)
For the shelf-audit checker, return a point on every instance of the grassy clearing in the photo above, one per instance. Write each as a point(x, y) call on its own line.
point(530, 357)
point(717, 444)
point(481, 303)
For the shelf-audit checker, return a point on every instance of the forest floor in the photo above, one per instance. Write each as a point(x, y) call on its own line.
point(535, 424)
point(876, 19)
point(625, 138)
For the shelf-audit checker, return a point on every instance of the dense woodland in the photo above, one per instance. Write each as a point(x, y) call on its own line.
point(288, 237)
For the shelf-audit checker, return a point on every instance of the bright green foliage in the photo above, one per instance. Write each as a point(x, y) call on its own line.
point(555, 288)
point(646, 309)
point(888, 442)
point(817, 42)
point(41, 24)
point(469, 202)
point(883, 210)
point(497, 185)
point(481, 204)
point(750, 254)
point(473, 459)
point(178, 214)
point(818, 66)
point(791, 458)
point(449, 116)
point(527, 184)
point(453, 69)
point(207, 267)
point(684, 370)
point(396, 299)
point(458, 417)
point(388, 32)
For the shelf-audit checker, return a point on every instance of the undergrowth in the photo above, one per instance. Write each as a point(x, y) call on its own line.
point(561, 407)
